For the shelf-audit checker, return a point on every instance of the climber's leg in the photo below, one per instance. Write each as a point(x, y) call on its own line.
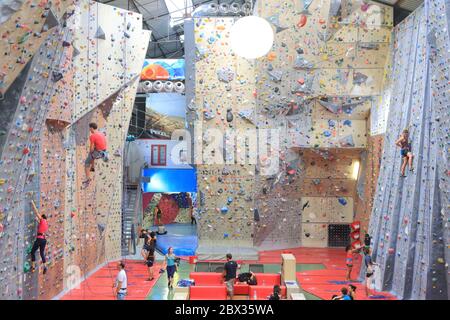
point(42, 244)
point(33, 255)
point(404, 163)
point(88, 164)
point(410, 161)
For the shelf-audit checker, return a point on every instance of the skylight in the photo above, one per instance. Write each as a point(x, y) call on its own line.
point(177, 10)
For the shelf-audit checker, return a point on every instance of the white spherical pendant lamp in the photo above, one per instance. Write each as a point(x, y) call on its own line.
point(251, 37)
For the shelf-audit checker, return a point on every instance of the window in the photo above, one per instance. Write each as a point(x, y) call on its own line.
point(177, 10)
point(159, 155)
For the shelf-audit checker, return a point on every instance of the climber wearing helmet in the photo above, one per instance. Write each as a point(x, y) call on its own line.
point(40, 241)
point(405, 151)
point(97, 150)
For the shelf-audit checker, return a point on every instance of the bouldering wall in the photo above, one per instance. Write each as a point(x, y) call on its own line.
point(223, 103)
point(409, 222)
point(25, 25)
point(316, 87)
point(371, 165)
point(328, 194)
point(46, 146)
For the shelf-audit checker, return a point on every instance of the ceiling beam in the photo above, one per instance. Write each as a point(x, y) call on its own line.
point(147, 26)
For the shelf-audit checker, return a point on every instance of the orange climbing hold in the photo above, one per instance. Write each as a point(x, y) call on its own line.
point(271, 56)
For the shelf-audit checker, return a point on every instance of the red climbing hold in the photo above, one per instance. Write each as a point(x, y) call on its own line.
point(302, 22)
point(25, 151)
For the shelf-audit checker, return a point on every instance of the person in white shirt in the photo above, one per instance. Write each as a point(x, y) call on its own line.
point(121, 282)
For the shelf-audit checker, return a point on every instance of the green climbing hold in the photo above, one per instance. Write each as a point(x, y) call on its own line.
point(26, 267)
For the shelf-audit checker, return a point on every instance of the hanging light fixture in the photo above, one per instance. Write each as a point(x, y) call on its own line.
point(251, 37)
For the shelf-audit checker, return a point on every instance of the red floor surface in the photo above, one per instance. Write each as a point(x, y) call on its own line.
point(329, 281)
point(99, 285)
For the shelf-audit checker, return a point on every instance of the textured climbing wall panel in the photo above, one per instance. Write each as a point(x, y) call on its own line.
point(372, 170)
point(25, 25)
point(45, 148)
point(316, 87)
point(409, 222)
point(20, 169)
point(224, 87)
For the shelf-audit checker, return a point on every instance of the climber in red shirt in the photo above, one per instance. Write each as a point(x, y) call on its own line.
point(97, 150)
point(40, 241)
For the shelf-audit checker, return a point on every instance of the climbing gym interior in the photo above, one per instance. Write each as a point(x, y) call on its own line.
point(144, 141)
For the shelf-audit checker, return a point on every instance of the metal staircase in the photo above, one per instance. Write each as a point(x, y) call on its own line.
point(129, 215)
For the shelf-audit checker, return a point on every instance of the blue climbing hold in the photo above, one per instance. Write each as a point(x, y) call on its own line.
point(342, 201)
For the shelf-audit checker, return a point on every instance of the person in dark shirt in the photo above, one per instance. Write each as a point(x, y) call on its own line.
point(248, 277)
point(369, 269)
point(352, 292)
point(276, 293)
point(150, 258)
point(229, 274)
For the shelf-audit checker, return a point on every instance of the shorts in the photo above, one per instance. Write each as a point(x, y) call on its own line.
point(404, 152)
point(349, 262)
point(150, 262)
point(171, 271)
point(93, 156)
point(230, 286)
point(368, 275)
point(121, 295)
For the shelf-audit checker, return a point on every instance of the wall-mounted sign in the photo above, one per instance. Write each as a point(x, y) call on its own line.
point(163, 69)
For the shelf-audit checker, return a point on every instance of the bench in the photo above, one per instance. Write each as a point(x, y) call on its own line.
point(208, 292)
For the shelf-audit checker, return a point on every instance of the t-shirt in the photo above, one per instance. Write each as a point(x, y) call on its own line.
point(230, 267)
point(122, 277)
point(170, 260)
point(274, 296)
point(346, 297)
point(98, 139)
point(42, 228)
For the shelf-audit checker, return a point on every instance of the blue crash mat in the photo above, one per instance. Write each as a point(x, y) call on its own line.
point(182, 245)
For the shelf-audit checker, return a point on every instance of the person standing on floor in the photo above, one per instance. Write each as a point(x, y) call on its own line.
point(229, 274)
point(150, 258)
point(349, 261)
point(40, 241)
point(170, 266)
point(369, 269)
point(158, 214)
point(121, 282)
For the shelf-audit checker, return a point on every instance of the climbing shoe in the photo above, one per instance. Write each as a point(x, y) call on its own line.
point(45, 270)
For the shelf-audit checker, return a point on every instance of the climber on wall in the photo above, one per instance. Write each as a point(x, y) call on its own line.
point(97, 150)
point(405, 151)
point(40, 241)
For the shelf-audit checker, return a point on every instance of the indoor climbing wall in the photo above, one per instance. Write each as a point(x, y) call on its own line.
point(363, 209)
point(46, 146)
point(25, 25)
point(20, 181)
point(316, 87)
point(328, 194)
point(223, 106)
point(409, 223)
